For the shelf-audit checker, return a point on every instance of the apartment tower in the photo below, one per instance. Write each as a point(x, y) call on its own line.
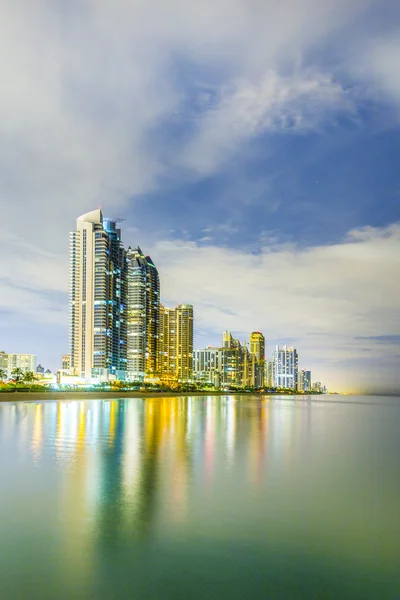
point(143, 305)
point(184, 342)
point(97, 299)
point(257, 354)
point(285, 367)
point(167, 347)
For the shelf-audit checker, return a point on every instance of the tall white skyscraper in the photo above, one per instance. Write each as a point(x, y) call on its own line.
point(97, 299)
point(285, 367)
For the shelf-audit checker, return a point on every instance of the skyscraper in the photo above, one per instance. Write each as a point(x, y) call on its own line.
point(152, 318)
point(136, 314)
point(184, 342)
point(206, 364)
point(97, 299)
point(118, 300)
point(304, 381)
point(143, 291)
point(234, 361)
point(167, 345)
point(257, 351)
point(285, 367)
point(175, 362)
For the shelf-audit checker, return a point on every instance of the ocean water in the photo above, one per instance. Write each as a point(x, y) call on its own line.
point(200, 498)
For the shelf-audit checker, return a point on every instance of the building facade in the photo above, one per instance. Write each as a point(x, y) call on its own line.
point(184, 342)
point(234, 362)
point(167, 345)
point(4, 361)
point(175, 363)
point(206, 365)
point(118, 300)
point(143, 321)
point(66, 362)
point(304, 381)
point(285, 367)
point(152, 318)
point(25, 362)
point(97, 299)
point(269, 374)
point(136, 314)
point(257, 352)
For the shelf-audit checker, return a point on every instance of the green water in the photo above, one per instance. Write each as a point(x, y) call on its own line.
point(202, 497)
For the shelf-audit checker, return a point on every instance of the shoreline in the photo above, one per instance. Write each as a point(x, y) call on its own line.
point(79, 395)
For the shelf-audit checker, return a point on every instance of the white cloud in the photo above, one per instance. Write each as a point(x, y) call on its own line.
point(296, 103)
point(85, 86)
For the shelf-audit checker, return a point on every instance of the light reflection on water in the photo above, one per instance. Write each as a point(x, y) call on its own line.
point(200, 497)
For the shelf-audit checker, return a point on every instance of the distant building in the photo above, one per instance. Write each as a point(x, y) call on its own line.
point(269, 374)
point(317, 386)
point(206, 365)
point(39, 369)
point(3, 361)
point(227, 339)
point(25, 362)
point(229, 365)
point(304, 381)
point(285, 367)
point(66, 362)
point(257, 351)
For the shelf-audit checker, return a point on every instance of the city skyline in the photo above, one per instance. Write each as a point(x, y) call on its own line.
point(251, 149)
point(97, 251)
point(120, 329)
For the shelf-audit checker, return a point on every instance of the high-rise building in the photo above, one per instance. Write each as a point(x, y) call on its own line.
point(304, 381)
point(184, 342)
point(206, 365)
point(227, 339)
point(307, 381)
point(97, 299)
point(257, 351)
point(136, 314)
point(285, 367)
point(143, 292)
point(257, 345)
point(234, 362)
point(167, 345)
point(118, 300)
point(152, 318)
point(269, 373)
point(25, 362)
point(175, 363)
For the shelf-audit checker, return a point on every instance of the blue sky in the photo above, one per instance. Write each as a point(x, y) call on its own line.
point(252, 148)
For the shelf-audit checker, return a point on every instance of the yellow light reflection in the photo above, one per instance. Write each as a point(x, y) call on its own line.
point(37, 435)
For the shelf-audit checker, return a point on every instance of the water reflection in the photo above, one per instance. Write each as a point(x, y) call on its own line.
point(130, 480)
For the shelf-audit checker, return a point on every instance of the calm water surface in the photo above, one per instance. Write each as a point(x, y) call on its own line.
point(203, 497)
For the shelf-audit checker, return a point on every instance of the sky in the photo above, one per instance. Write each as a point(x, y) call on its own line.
point(251, 146)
